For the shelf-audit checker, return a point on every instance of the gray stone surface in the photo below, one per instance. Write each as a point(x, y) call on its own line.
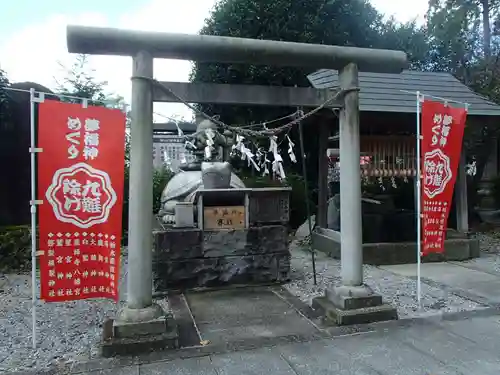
point(423, 348)
point(118, 371)
point(225, 316)
point(256, 362)
point(269, 206)
point(211, 272)
point(333, 212)
point(190, 366)
point(195, 258)
point(337, 316)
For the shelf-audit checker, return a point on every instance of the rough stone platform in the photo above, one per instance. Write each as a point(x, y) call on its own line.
point(193, 258)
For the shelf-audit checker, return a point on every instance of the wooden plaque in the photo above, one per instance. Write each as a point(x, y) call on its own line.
point(224, 217)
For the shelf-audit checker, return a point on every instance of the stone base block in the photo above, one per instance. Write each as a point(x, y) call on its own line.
point(455, 249)
point(337, 316)
point(351, 298)
point(140, 337)
point(192, 258)
point(221, 271)
point(125, 330)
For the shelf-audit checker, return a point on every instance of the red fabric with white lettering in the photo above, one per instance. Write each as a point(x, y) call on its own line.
point(442, 132)
point(80, 180)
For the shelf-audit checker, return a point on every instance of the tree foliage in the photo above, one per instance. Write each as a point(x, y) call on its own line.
point(346, 23)
point(80, 82)
point(463, 40)
point(4, 100)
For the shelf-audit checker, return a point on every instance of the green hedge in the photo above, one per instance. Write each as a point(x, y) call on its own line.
point(15, 249)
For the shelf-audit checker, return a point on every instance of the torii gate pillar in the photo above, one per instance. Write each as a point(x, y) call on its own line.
point(352, 302)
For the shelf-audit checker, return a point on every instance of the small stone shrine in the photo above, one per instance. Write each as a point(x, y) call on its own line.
point(212, 231)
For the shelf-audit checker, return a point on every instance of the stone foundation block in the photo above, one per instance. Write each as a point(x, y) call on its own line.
point(139, 338)
point(130, 330)
point(336, 316)
point(222, 271)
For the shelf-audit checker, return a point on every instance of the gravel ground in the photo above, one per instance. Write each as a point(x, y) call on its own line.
point(66, 332)
point(70, 332)
point(397, 290)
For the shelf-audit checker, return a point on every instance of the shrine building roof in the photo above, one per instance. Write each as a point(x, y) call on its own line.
point(385, 92)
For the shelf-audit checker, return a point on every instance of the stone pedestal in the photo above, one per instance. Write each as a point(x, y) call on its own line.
point(346, 305)
point(252, 249)
point(185, 259)
point(138, 331)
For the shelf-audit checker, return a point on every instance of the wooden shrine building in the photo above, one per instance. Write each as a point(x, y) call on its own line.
point(388, 105)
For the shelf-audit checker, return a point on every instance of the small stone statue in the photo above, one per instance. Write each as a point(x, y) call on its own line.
point(202, 173)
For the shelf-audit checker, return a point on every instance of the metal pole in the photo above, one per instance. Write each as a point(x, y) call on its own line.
point(308, 208)
point(33, 215)
point(419, 206)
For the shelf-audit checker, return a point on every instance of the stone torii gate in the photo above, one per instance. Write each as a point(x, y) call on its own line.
point(140, 311)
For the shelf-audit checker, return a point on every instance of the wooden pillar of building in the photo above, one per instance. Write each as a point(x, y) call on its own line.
point(461, 197)
point(322, 214)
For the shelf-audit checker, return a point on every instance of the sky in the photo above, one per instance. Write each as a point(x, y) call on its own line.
point(33, 38)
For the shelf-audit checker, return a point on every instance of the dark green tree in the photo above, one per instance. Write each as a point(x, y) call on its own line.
point(346, 23)
point(463, 37)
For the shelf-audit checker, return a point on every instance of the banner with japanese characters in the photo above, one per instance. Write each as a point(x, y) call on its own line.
point(442, 133)
point(80, 181)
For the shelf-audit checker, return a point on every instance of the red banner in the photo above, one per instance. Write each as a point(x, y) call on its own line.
point(80, 180)
point(442, 133)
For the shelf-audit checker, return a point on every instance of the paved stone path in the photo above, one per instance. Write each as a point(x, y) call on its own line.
point(427, 347)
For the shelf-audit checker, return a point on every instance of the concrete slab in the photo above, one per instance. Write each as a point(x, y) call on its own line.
point(258, 362)
point(191, 366)
point(484, 331)
point(456, 352)
point(276, 325)
point(322, 358)
point(424, 347)
point(388, 354)
point(238, 315)
point(130, 370)
point(445, 273)
point(219, 305)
